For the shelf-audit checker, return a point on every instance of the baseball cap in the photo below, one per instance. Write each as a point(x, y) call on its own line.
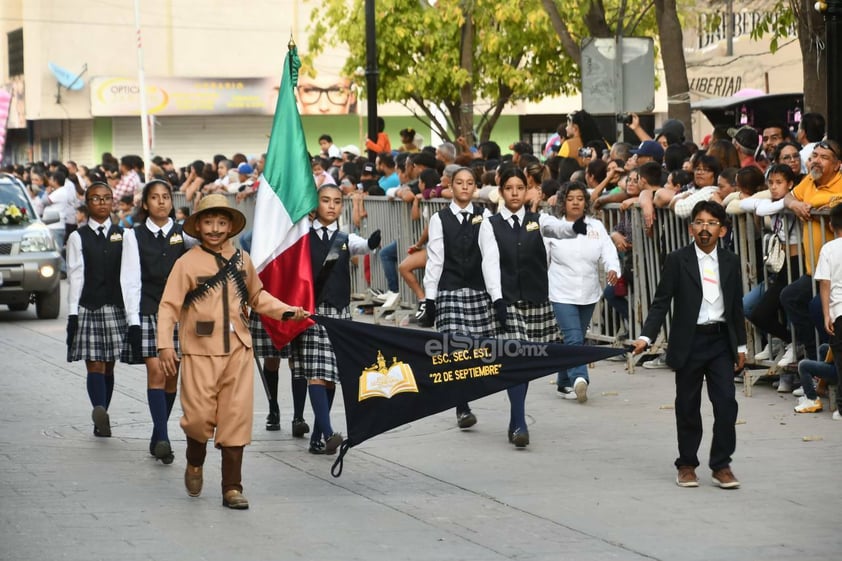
point(650, 148)
point(351, 149)
point(746, 136)
point(245, 169)
point(671, 127)
point(368, 168)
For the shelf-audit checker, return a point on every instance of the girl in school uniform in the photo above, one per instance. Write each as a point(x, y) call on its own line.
point(96, 320)
point(311, 354)
point(454, 286)
point(514, 267)
point(264, 348)
point(150, 250)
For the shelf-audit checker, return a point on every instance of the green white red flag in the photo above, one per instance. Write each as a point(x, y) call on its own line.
point(286, 195)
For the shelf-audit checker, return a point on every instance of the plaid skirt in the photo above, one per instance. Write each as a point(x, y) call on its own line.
point(99, 336)
point(261, 344)
point(148, 341)
point(311, 353)
point(464, 310)
point(530, 322)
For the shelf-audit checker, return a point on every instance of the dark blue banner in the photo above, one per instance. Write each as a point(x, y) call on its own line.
point(391, 376)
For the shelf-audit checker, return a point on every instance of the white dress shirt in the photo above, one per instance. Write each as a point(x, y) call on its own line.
point(710, 312)
point(76, 265)
point(357, 245)
point(574, 265)
point(130, 282)
point(435, 247)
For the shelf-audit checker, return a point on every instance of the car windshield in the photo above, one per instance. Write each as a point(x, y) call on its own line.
point(12, 194)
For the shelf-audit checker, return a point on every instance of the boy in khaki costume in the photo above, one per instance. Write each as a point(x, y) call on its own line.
point(207, 294)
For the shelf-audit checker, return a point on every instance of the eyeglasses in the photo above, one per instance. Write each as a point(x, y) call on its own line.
point(827, 146)
point(96, 199)
point(790, 157)
point(699, 224)
point(336, 95)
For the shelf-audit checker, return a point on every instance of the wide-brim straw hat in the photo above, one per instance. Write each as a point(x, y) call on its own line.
point(215, 202)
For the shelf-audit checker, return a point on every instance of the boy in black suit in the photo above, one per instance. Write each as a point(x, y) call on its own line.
point(707, 339)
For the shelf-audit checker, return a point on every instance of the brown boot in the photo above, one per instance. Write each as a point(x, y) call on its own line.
point(234, 499)
point(193, 480)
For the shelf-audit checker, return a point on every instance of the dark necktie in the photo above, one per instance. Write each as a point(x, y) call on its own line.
point(464, 214)
point(325, 234)
point(100, 232)
point(515, 223)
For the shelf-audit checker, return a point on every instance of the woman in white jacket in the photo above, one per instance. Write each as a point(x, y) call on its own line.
point(574, 281)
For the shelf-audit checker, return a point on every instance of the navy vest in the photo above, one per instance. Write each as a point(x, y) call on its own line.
point(102, 267)
point(157, 257)
point(462, 258)
point(337, 287)
point(523, 260)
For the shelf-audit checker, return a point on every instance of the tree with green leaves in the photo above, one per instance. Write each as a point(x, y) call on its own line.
point(450, 60)
point(778, 22)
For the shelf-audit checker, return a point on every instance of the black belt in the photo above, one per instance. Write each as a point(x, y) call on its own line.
point(711, 328)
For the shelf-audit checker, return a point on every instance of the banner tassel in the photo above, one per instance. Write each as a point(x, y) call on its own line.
point(336, 468)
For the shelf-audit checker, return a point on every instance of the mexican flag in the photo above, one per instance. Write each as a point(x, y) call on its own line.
point(287, 193)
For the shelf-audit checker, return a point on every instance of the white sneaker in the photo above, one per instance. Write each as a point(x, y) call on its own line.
point(798, 392)
point(802, 399)
point(393, 299)
point(765, 354)
point(580, 388)
point(655, 363)
point(381, 298)
point(784, 386)
point(809, 406)
point(837, 416)
point(789, 356)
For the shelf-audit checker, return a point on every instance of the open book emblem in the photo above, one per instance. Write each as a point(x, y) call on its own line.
point(386, 381)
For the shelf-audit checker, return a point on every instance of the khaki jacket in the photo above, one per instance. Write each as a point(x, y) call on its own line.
point(204, 328)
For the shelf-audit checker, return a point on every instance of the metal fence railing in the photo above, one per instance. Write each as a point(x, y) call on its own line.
point(649, 248)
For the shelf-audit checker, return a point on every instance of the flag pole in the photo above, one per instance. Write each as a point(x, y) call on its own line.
point(144, 112)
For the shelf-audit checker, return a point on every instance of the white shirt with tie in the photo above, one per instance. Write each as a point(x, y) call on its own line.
point(130, 266)
point(435, 247)
point(357, 245)
point(712, 309)
point(76, 264)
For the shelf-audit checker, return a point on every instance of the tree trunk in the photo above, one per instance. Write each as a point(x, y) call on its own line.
point(814, 62)
point(675, 68)
point(465, 122)
point(571, 47)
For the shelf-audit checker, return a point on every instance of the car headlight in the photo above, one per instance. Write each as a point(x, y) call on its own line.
point(37, 238)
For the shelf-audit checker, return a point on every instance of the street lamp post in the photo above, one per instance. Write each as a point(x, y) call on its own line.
point(371, 73)
point(832, 10)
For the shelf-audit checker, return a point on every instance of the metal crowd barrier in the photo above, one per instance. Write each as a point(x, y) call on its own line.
point(669, 233)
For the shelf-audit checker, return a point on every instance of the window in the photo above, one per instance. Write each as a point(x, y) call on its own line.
point(15, 48)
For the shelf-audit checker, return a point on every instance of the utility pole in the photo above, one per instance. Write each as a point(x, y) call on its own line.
point(371, 73)
point(832, 11)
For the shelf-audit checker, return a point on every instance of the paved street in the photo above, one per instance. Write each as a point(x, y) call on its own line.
point(596, 483)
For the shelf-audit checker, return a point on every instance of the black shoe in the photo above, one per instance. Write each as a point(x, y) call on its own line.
point(163, 452)
point(273, 421)
point(152, 444)
point(332, 443)
point(299, 428)
point(520, 438)
point(317, 447)
point(102, 424)
point(466, 420)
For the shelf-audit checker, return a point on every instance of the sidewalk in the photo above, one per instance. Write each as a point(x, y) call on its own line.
point(596, 483)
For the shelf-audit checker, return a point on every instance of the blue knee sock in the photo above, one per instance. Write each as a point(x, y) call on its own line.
point(299, 397)
point(157, 399)
point(109, 389)
point(517, 399)
point(97, 389)
point(321, 408)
